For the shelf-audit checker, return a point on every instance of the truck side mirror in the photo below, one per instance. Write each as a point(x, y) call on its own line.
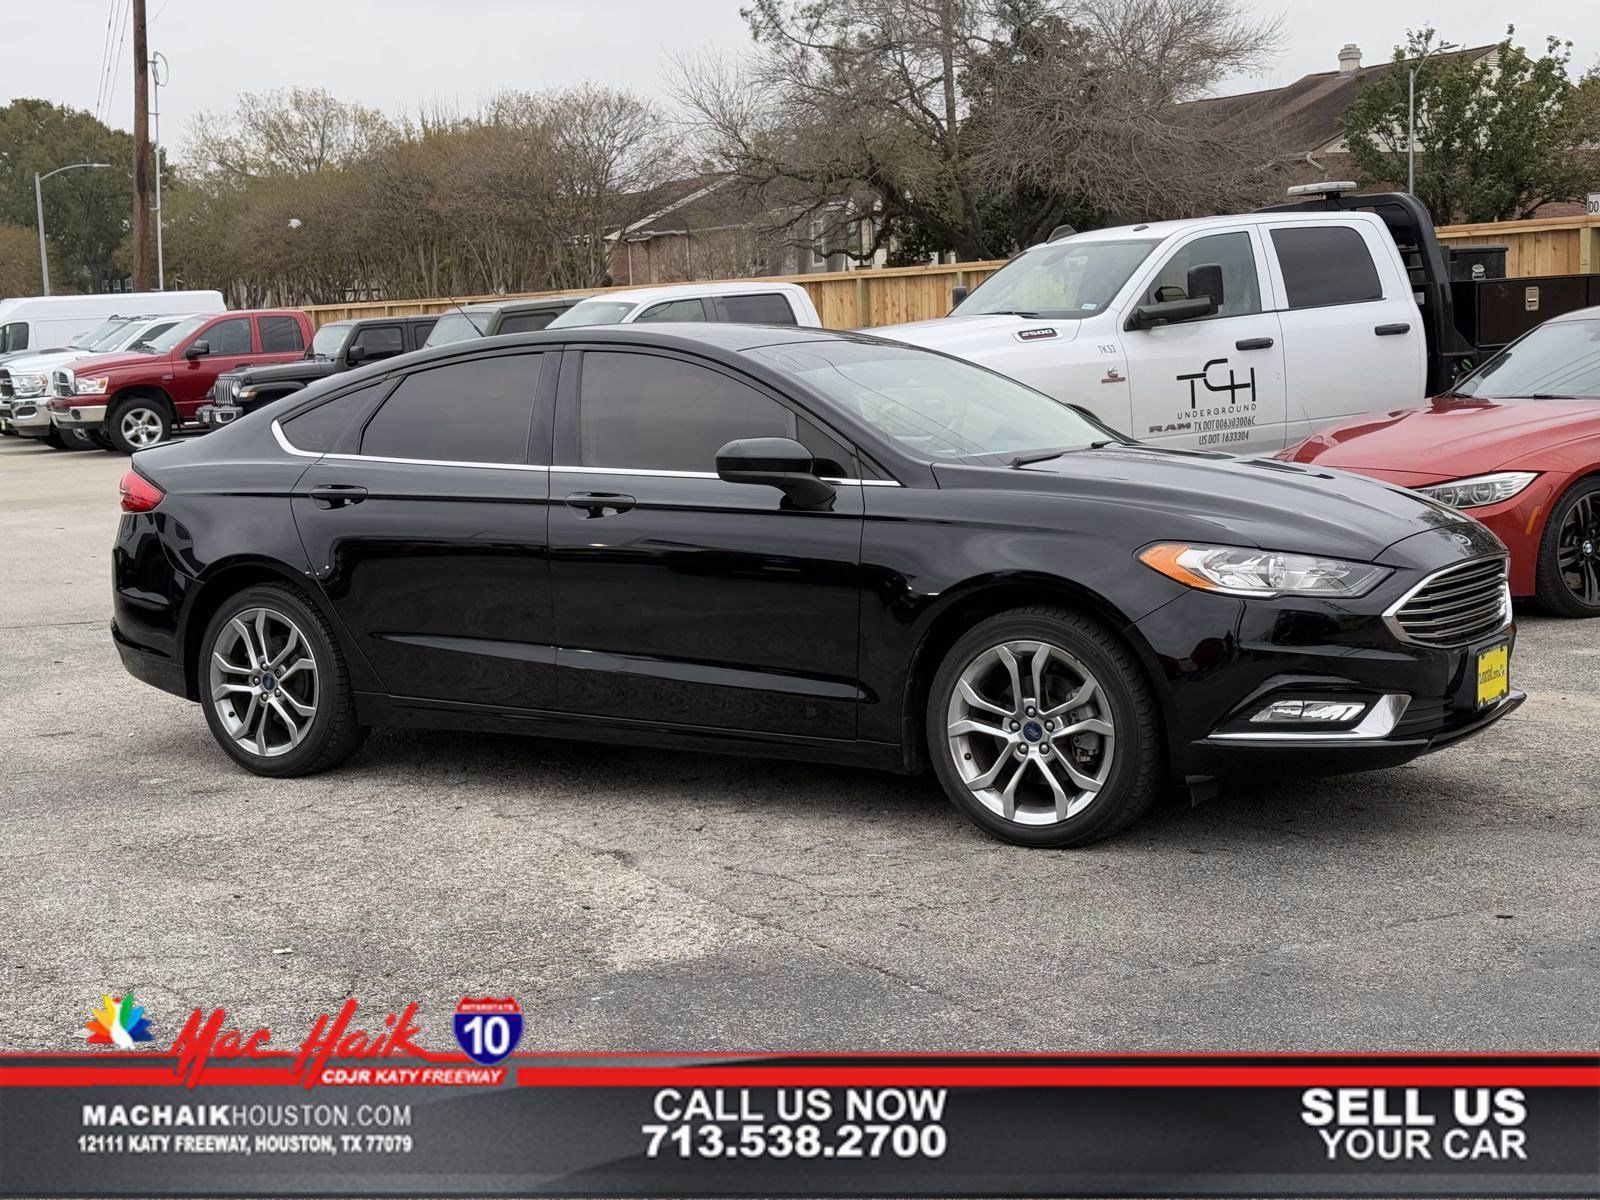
point(355, 354)
point(1205, 279)
point(198, 349)
point(1170, 312)
point(777, 462)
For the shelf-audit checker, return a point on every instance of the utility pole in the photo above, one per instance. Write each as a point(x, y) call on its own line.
point(141, 150)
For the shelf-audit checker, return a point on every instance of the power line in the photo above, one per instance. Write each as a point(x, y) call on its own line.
point(105, 57)
point(116, 64)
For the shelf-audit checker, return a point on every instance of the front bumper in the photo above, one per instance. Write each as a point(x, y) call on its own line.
point(69, 415)
point(1227, 658)
point(30, 418)
point(214, 415)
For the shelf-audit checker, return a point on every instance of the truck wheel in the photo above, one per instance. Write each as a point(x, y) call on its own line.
point(1569, 553)
point(136, 423)
point(75, 439)
point(1043, 730)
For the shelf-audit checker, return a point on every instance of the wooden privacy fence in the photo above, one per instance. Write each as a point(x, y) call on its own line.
point(844, 299)
point(888, 296)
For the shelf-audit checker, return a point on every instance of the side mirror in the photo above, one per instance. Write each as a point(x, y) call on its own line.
point(198, 349)
point(355, 354)
point(1171, 312)
point(958, 294)
point(1205, 279)
point(777, 462)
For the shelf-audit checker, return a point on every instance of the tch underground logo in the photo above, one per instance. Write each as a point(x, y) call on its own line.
point(117, 1022)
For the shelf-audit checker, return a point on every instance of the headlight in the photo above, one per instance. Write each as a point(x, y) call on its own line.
point(30, 385)
point(1480, 490)
point(1237, 571)
point(94, 385)
point(234, 387)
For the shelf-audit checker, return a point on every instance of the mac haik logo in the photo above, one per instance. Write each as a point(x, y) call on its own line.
point(488, 1029)
point(1233, 386)
point(118, 1022)
point(207, 1037)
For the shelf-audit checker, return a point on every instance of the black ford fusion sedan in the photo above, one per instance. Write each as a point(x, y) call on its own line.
point(805, 543)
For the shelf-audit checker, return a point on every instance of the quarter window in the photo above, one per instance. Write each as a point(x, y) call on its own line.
point(648, 413)
point(321, 427)
point(768, 308)
point(474, 411)
point(228, 337)
point(280, 335)
point(1233, 252)
point(1326, 264)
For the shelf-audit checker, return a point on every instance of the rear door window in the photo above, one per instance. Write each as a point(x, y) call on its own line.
point(477, 411)
point(525, 322)
point(674, 310)
point(762, 308)
point(280, 335)
point(1326, 264)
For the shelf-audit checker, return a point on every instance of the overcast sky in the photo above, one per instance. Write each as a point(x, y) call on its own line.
point(399, 55)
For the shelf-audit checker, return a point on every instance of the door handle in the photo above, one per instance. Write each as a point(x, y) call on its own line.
point(600, 504)
point(1261, 343)
point(337, 495)
point(1391, 330)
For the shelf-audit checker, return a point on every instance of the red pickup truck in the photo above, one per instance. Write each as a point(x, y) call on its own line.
point(132, 399)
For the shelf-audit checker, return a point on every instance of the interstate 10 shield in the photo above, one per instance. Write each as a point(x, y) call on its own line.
point(488, 1029)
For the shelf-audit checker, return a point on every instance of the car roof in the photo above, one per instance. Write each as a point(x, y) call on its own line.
point(524, 302)
point(683, 291)
point(1161, 230)
point(1582, 314)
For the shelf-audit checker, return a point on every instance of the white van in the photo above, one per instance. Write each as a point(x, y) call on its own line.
point(1241, 333)
point(38, 323)
point(753, 303)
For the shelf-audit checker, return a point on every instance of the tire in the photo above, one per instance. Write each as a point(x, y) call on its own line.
point(1567, 580)
point(76, 439)
point(253, 722)
point(137, 422)
point(53, 439)
point(99, 439)
point(1126, 768)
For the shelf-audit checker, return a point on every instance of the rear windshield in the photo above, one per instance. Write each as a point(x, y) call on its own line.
point(459, 326)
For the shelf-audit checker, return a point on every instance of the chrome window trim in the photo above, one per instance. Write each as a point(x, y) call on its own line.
point(1391, 615)
point(289, 447)
point(1379, 723)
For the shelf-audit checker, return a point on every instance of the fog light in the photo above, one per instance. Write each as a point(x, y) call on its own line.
point(1281, 712)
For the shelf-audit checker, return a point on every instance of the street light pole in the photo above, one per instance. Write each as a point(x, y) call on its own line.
point(38, 205)
point(158, 76)
point(1411, 114)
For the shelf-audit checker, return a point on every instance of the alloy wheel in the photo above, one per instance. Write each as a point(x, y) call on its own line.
point(1578, 550)
point(140, 427)
point(263, 681)
point(1031, 733)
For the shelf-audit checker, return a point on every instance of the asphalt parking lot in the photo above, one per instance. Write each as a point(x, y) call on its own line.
point(632, 899)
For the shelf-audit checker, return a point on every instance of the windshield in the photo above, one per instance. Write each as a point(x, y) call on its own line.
point(101, 335)
point(593, 312)
point(1067, 280)
point(169, 340)
point(326, 341)
point(459, 326)
point(932, 406)
point(1558, 359)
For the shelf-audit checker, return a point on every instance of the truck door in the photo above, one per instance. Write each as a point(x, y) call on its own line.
point(1352, 335)
point(1216, 383)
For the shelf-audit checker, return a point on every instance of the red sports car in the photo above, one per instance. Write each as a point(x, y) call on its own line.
point(1515, 444)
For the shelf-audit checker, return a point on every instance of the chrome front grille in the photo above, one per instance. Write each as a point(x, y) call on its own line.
point(6, 390)
point(61, 383)
point(1457, 605)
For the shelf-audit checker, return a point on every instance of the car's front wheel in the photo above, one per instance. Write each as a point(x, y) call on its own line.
point(1569, 553)
point(274, 686)
point(136, 423)
point(1043, 730)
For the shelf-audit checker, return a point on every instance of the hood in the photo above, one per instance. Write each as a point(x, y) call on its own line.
point(45, 360)
point(1451, 437)
point(976, 338)
point(92, 364)
point(1191, 495)
point(300, 369)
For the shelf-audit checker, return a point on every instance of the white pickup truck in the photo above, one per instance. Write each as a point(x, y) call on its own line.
point(1240, 333)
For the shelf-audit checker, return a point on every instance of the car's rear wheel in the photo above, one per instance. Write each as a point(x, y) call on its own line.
point(1569, 553)
point(274, 686)
point(136, 423)
point(1043, 730)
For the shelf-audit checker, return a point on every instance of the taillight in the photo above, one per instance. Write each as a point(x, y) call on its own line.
point(138, 493)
